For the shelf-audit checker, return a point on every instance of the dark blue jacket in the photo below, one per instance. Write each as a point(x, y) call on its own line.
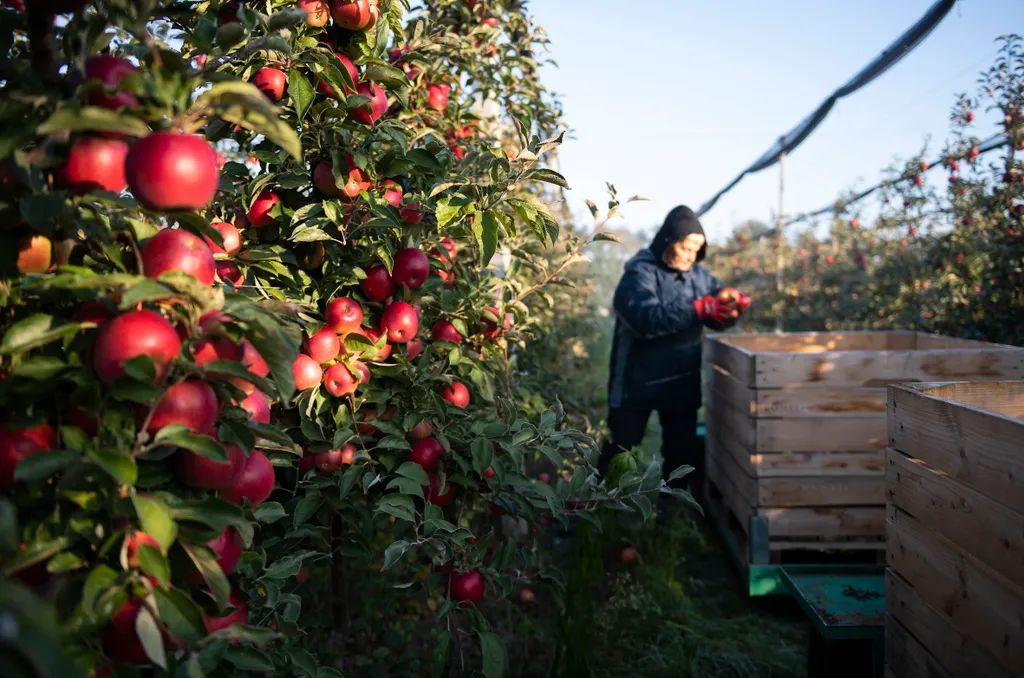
point(656, 355)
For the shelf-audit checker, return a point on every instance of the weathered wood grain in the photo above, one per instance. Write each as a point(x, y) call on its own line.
point(906, 658)
point(825, 522)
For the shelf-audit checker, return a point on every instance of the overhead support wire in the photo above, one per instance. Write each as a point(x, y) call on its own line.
point(888, 58)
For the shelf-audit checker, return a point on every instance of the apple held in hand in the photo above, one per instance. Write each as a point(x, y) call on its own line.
point(733, 297)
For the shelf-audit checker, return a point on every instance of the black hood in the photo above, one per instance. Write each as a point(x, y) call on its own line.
point(679, 223)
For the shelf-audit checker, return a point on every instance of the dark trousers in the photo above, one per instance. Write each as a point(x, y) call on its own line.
point(678, 441)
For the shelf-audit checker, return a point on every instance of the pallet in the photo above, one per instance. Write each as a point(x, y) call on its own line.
point(955, 528)
point(797, 428)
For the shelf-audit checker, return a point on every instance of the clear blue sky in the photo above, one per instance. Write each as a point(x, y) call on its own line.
point(672, 98)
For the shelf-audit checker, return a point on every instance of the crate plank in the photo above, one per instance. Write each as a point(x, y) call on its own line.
point(979, 448)
point(978, 602)
point(846, 490)
point(812, 464)
point(992, 532)
point(1001, 397)
point(880, 368)
point(731, 496)
point(741, 425)
point(727, 465)
point(865, 433)
point(960, 655)
point(723, 385)
point(738, 363)
point(825, 522)
point(810, 342)
point(906, 658)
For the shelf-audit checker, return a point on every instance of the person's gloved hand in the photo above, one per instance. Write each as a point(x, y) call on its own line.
point(734, 298)
point(714, 313)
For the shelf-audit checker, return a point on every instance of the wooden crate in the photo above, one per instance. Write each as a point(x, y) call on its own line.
point(796, 427)
point(954, 478)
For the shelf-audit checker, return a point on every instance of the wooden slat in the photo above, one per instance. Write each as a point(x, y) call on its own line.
point(727, 387)
point(824, 545)
point(729, 417)
point(1001, 397)
point(981, 449)
point(745, 484)
point(864, 433)
point(958, 654)
point(825, 522)
point(848, 490)
point(880, 368)
point(906, 658)
point(809, 342)
point(727, 445)
point(988, 530)
point(818, 402)
point(731, 496)
point(737, 362)
point(927, 342)
point(803, 464)
point(978, 602)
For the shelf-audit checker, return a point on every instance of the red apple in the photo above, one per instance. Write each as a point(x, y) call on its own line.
point(344, 315)
point(95, 163)
point(258, 407)
point(120, 641)
point(352, 15)
point(467, 587)
point(411, 213)
point(544, 478)
point(378, 105)
point(192, 403)
point(526, 596)
point(318, 11)
point(95, 312)
point(323, 346)
point(208, 474)
point(18, 444)
point(457, 394)
point(421, 430)
point(382, 353)
point(240, 616)
point(438, 97)
point(392, 192)
point(447, 251)
point(272, 82)
point(259, 213)
point(445, 331)
point(231, 236)
point(369, 414)
point(427, 453)
point(400, 322)
point(324, 181)
point(489, 473)
point(353, 73)
point(413, 349)
point(492, 21)
point(628, 556)
point(308, 373)
point(335, 459)
point(135, 541)
point(175, 250)
point(254, 482)
point(35, 254)
point(364, 372)
point(490, 327)
point(338, 380)
point(168, 172)
point(228, 548)
point(411, 268)
point(378, 284)
point(109, 70)
point(433, 493)
point(230, 273)
point(130, 335)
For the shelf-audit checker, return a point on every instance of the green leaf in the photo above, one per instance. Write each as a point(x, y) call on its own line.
point(300, 91)
point(547, 175)
point(100, 582)
point(269, 512)
point(243, 104)
point(304, 660)
point(393, 443)
point(155, 518)
point(33, 332)
point(495, 657)
point(181, 614)
point(207, 565)
point(40, 367)
point(394, 552)
point(424, 159)
point(452, 210)
point(8, 526)
point(398, 505)
point(680, 472)
point(443, 651)
point(482, 452)
point(486, 232)
point(120, 468)
point(392, 77)
point(94, 119)
point(154, 563)
point(406, 486)
point(248, 658)
point(414, 472)
point(643, 504)
point(611, 237)
point(214, 512)
point(203, 445)
point(149, 635)
point(283, 569)
point(305, 509)
point(44, 464)
point(286, 18)
point(237, 369)
point(145, 290)
point(193, 669)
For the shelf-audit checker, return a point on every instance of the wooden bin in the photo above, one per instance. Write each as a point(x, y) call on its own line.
point(955, 530)
point(796, 428)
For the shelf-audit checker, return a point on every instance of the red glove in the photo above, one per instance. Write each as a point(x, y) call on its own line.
point(734, 298)
point(713, 312)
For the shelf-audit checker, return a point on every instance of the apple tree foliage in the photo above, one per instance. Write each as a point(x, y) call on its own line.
point(346, 136)
point(944, 253)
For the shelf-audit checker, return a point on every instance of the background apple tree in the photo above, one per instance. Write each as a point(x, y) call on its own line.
point(270, 273)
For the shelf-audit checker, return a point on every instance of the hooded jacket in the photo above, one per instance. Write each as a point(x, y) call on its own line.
point(656, 354)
